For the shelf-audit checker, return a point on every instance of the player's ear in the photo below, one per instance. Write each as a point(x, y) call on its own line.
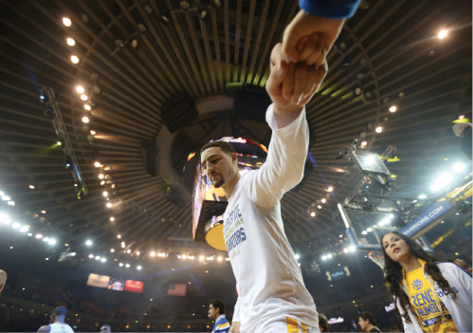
point(234, 158)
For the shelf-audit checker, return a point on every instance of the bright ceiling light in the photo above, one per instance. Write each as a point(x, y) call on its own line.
point(138, 253)
point(324, 257)
point(297, 256)
point(112, 218)
point(393, 108)
point(381, 223)
point(119, 236)
point(128, 251)
point(102, 182)
point(43, 212)
point(75, 59)
point(369, 230)
point(87, 107)
point(5, 219)
point(351, 248)
point(364, 143)
point(97, 258)
point(80, 89)
point(312, 214)
point(364, 232)
point(31, 187)
point(88, 243)
point(97, 164)
point(458, 167)
point(109, 205)
point(66, 21)
point(70, 41)
point(220, 258)
point(39, 236)
point(29, 234)
point(84, 97)
point(127, 265)
point(153, 254)
point(11, 203)
point(93, 132)
point(442, 34)
point(319, 206)
point(323, 200)
point(52, 242)
point(85, 120)
point(46, 239)
point(329, 255)
point(91, 256)
point(6, 198)
point(379, 129)
point(345, 250)
point(16, 225)
point(24, 229)
point(112, 250)
point(120, 264)
point(105, 193)
point(330, 189)
point(442, 181)
point(101, 176)
point(103, 260)
point(422, 196)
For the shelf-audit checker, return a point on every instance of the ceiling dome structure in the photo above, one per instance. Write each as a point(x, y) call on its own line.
point(392, 82)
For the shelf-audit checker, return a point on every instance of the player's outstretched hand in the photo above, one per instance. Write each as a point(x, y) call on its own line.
point(310, 33)
point(290, 85)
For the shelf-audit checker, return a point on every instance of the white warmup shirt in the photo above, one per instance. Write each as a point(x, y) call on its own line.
point(269, 280)
point(60, 328)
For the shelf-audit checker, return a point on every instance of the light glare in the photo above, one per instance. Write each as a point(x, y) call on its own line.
point(442, 181)
point(71, 42)
point(442, 34)
point(75, 59)
point(458, 167)
point(379, 129)
point(66, 21)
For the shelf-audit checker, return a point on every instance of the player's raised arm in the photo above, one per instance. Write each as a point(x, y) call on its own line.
point(290, 87)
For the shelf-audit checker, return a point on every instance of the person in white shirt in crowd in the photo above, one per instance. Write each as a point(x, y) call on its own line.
point(58, 324)
point(272, 296)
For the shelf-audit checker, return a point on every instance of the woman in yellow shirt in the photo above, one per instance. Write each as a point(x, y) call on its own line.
point(430, 296)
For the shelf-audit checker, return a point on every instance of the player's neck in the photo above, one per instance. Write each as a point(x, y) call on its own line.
point(369, 327)
point(228, 188)
point(411, 264)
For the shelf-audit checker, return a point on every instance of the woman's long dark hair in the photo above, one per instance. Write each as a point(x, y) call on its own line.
point(394, 276)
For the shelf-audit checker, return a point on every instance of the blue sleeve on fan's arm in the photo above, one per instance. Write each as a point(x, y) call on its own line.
point(331, 9)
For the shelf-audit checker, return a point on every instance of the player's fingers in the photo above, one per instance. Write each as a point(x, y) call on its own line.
point(311, 81)
point(318, 56)
point(300, 80)
point(288, 83)
point(322, 52)
point(291, 39)
point(310, 47)
point(301, 44)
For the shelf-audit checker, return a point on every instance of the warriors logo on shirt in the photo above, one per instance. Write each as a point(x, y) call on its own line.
point(417, 284)
point(233, 230)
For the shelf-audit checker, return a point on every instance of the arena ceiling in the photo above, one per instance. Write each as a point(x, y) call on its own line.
point(387, 55)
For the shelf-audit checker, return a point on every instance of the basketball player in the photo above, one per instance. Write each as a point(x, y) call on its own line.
point(271, 293)
point(57, 322)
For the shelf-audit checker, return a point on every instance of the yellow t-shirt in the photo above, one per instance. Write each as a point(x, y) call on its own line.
point(426, 306)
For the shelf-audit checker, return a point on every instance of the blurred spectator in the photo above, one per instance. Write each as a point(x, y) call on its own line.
point(323, 324)
point(367, 322)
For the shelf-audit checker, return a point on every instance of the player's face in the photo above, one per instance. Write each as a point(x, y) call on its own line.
point(218, 166)
point(362, 323)
point(396, 248)
point(213, 312)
